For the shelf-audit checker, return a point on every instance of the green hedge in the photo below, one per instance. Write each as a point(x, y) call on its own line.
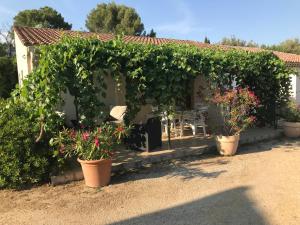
point(22, 161)
point(8, 76)
point(160, 73)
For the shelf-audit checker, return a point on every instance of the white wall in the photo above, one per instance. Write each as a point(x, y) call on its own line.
point(114, 96)
point(295, 92)
point(23, 60)
point(68, 107)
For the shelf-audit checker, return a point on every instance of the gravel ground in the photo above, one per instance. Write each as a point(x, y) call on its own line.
point(260, 185)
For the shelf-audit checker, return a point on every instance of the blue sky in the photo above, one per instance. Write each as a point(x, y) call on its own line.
point(263, 21)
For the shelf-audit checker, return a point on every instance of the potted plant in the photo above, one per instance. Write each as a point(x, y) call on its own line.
point(93, 149)
point(291, 125)
point(236, 106)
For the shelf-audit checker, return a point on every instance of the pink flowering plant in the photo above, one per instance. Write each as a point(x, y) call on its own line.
point(237, 107)
point(89, 144)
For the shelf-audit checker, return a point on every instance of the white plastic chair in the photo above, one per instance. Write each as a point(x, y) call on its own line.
point(195, 119)
point(199, 122)
point(118, 113)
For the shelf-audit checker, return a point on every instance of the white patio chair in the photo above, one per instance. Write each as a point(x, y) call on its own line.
point(195, 119)
point(118, 113)
point(178, 124)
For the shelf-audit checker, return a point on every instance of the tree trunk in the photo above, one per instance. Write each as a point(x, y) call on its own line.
point(169, 133)
point(76, 108)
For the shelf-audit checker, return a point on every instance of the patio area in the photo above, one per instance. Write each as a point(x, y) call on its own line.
point(260, 186)
point(188, 145)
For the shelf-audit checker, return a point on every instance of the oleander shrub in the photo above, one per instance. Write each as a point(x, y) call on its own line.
point(22, 161)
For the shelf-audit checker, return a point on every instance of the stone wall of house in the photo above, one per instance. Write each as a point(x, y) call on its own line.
point(201, 91)
point(24, 59)
point(201, 96)
point(295, 92)
point(114, 96)
point(68, 107)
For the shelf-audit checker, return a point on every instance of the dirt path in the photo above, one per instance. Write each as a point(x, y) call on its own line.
point(259, 186)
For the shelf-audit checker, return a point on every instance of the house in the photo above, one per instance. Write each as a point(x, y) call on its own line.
point(27, 38)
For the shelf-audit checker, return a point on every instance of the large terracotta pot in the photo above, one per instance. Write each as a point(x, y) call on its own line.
point(96, 172)
point(227, 145)
point(291, 129)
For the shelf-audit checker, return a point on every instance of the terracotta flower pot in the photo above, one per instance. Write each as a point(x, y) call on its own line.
point(291, 129)
point(227, 145)
point(96, 172)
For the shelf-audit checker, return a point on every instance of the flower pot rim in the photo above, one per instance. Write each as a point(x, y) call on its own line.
point(221, 136)
point(93, 161)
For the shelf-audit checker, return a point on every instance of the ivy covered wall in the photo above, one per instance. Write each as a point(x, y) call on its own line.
point(160, 74)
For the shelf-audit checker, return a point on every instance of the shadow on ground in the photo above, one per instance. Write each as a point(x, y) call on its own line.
point(186, 169)
point(286, 143)
point(232, 207)
point(194, 167)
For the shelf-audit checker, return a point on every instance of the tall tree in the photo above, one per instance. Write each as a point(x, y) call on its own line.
point(7, 47)
point(152, 33)
point(113, 18)
point(206, 40)
point(8, 64)
point(8, 75)
point(289, 45)
point(3, 49)
point(44, 17)
point(233, 41)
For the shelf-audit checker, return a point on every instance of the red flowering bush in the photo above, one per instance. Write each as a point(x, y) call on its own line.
point(236, 106)
point(88, 144)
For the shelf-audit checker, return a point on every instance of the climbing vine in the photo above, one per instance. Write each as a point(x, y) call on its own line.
point(161, 74)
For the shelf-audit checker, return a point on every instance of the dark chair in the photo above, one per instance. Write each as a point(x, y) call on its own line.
point(145, 137)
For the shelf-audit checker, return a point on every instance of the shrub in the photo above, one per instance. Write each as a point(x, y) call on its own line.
point(8, 76)
point(22, 160)
point(236, 106)
point(291, 113)
point(89, 144)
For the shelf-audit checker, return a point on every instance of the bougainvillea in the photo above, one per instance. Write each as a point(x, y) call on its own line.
point(237, 108)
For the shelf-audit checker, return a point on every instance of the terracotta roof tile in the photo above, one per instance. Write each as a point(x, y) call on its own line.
point(39, 36)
